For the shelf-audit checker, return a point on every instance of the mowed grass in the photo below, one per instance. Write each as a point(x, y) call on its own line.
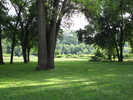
point(34, 59)
point(71, 80)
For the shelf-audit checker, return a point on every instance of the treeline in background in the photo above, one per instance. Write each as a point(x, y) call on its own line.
point(67, 46)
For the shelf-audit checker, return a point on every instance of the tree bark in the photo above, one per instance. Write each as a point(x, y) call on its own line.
point(109, 56)
point(116, 47)
point(51, 37)
point(1, 55)
point(121, 45)
point(113, 56)
point(42, 46)
point(23, 42)
point(59, 20)
point(24, 53)
point(28, 54)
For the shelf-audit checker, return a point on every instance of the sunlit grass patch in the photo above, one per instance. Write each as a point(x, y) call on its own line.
point(71, 80)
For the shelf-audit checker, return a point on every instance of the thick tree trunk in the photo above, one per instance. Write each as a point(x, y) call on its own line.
point(1, 55)
point(51, 46)
point(51, 37)
point(42, 46)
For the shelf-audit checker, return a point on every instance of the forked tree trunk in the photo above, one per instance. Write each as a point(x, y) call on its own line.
point(42, 46)
point(51, 37)
point(14, 34)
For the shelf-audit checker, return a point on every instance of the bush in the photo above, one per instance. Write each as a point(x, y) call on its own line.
point(126, 56)
point(59, 56)
point(68, 55)
point(75, 56)
point(57, 52)
point(98, 56)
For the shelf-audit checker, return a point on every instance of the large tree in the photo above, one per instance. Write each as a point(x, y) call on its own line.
point(55, 10)
point(109, 29)
point(42, 45)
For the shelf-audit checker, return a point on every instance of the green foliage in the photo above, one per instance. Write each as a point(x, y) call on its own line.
point(98, 56)
point(69, 44)
point(57, 52)
point(18, 51)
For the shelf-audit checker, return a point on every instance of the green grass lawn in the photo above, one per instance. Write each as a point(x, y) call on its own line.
point(71, 80)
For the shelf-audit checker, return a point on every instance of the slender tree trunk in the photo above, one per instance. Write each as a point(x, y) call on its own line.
point(113, 56)
point(13, 45)
point(28, 54)
point(24, 53)
point(121, 34)
point(1, 55)
point(14, 36)
point(121, 45)
point(59, 20)
point(116, 47)
point(42, 46)
point(23, 42)
point(51, 37)
point(109, 56)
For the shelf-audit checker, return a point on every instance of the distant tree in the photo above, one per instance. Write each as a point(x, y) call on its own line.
point(18, 6)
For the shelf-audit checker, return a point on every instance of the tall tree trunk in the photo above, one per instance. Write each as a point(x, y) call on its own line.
point(51, 37)
point(42, 46)
point(24, 53)
point(13, 45)
point(14, 36)
point(1, 55)
point(121, 45)
point(116, 47)
point(23, 42)
point(109, 56)
point(59, 20)
point(28, 54)
point(121, 34)
point(113, 56)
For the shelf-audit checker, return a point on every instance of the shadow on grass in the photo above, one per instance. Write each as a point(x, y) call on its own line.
point(69, 81)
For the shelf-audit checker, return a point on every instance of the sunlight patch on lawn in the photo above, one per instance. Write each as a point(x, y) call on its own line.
point(110, 75)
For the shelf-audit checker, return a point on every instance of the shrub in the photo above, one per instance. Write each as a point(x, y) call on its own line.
point(126, 56)
point(98, 56)
point(57, 52)
point(59, 56)
point(68, 55)
point(75, 56)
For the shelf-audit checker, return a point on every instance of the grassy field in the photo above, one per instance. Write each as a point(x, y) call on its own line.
point(34, 59)
point(71, 80)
